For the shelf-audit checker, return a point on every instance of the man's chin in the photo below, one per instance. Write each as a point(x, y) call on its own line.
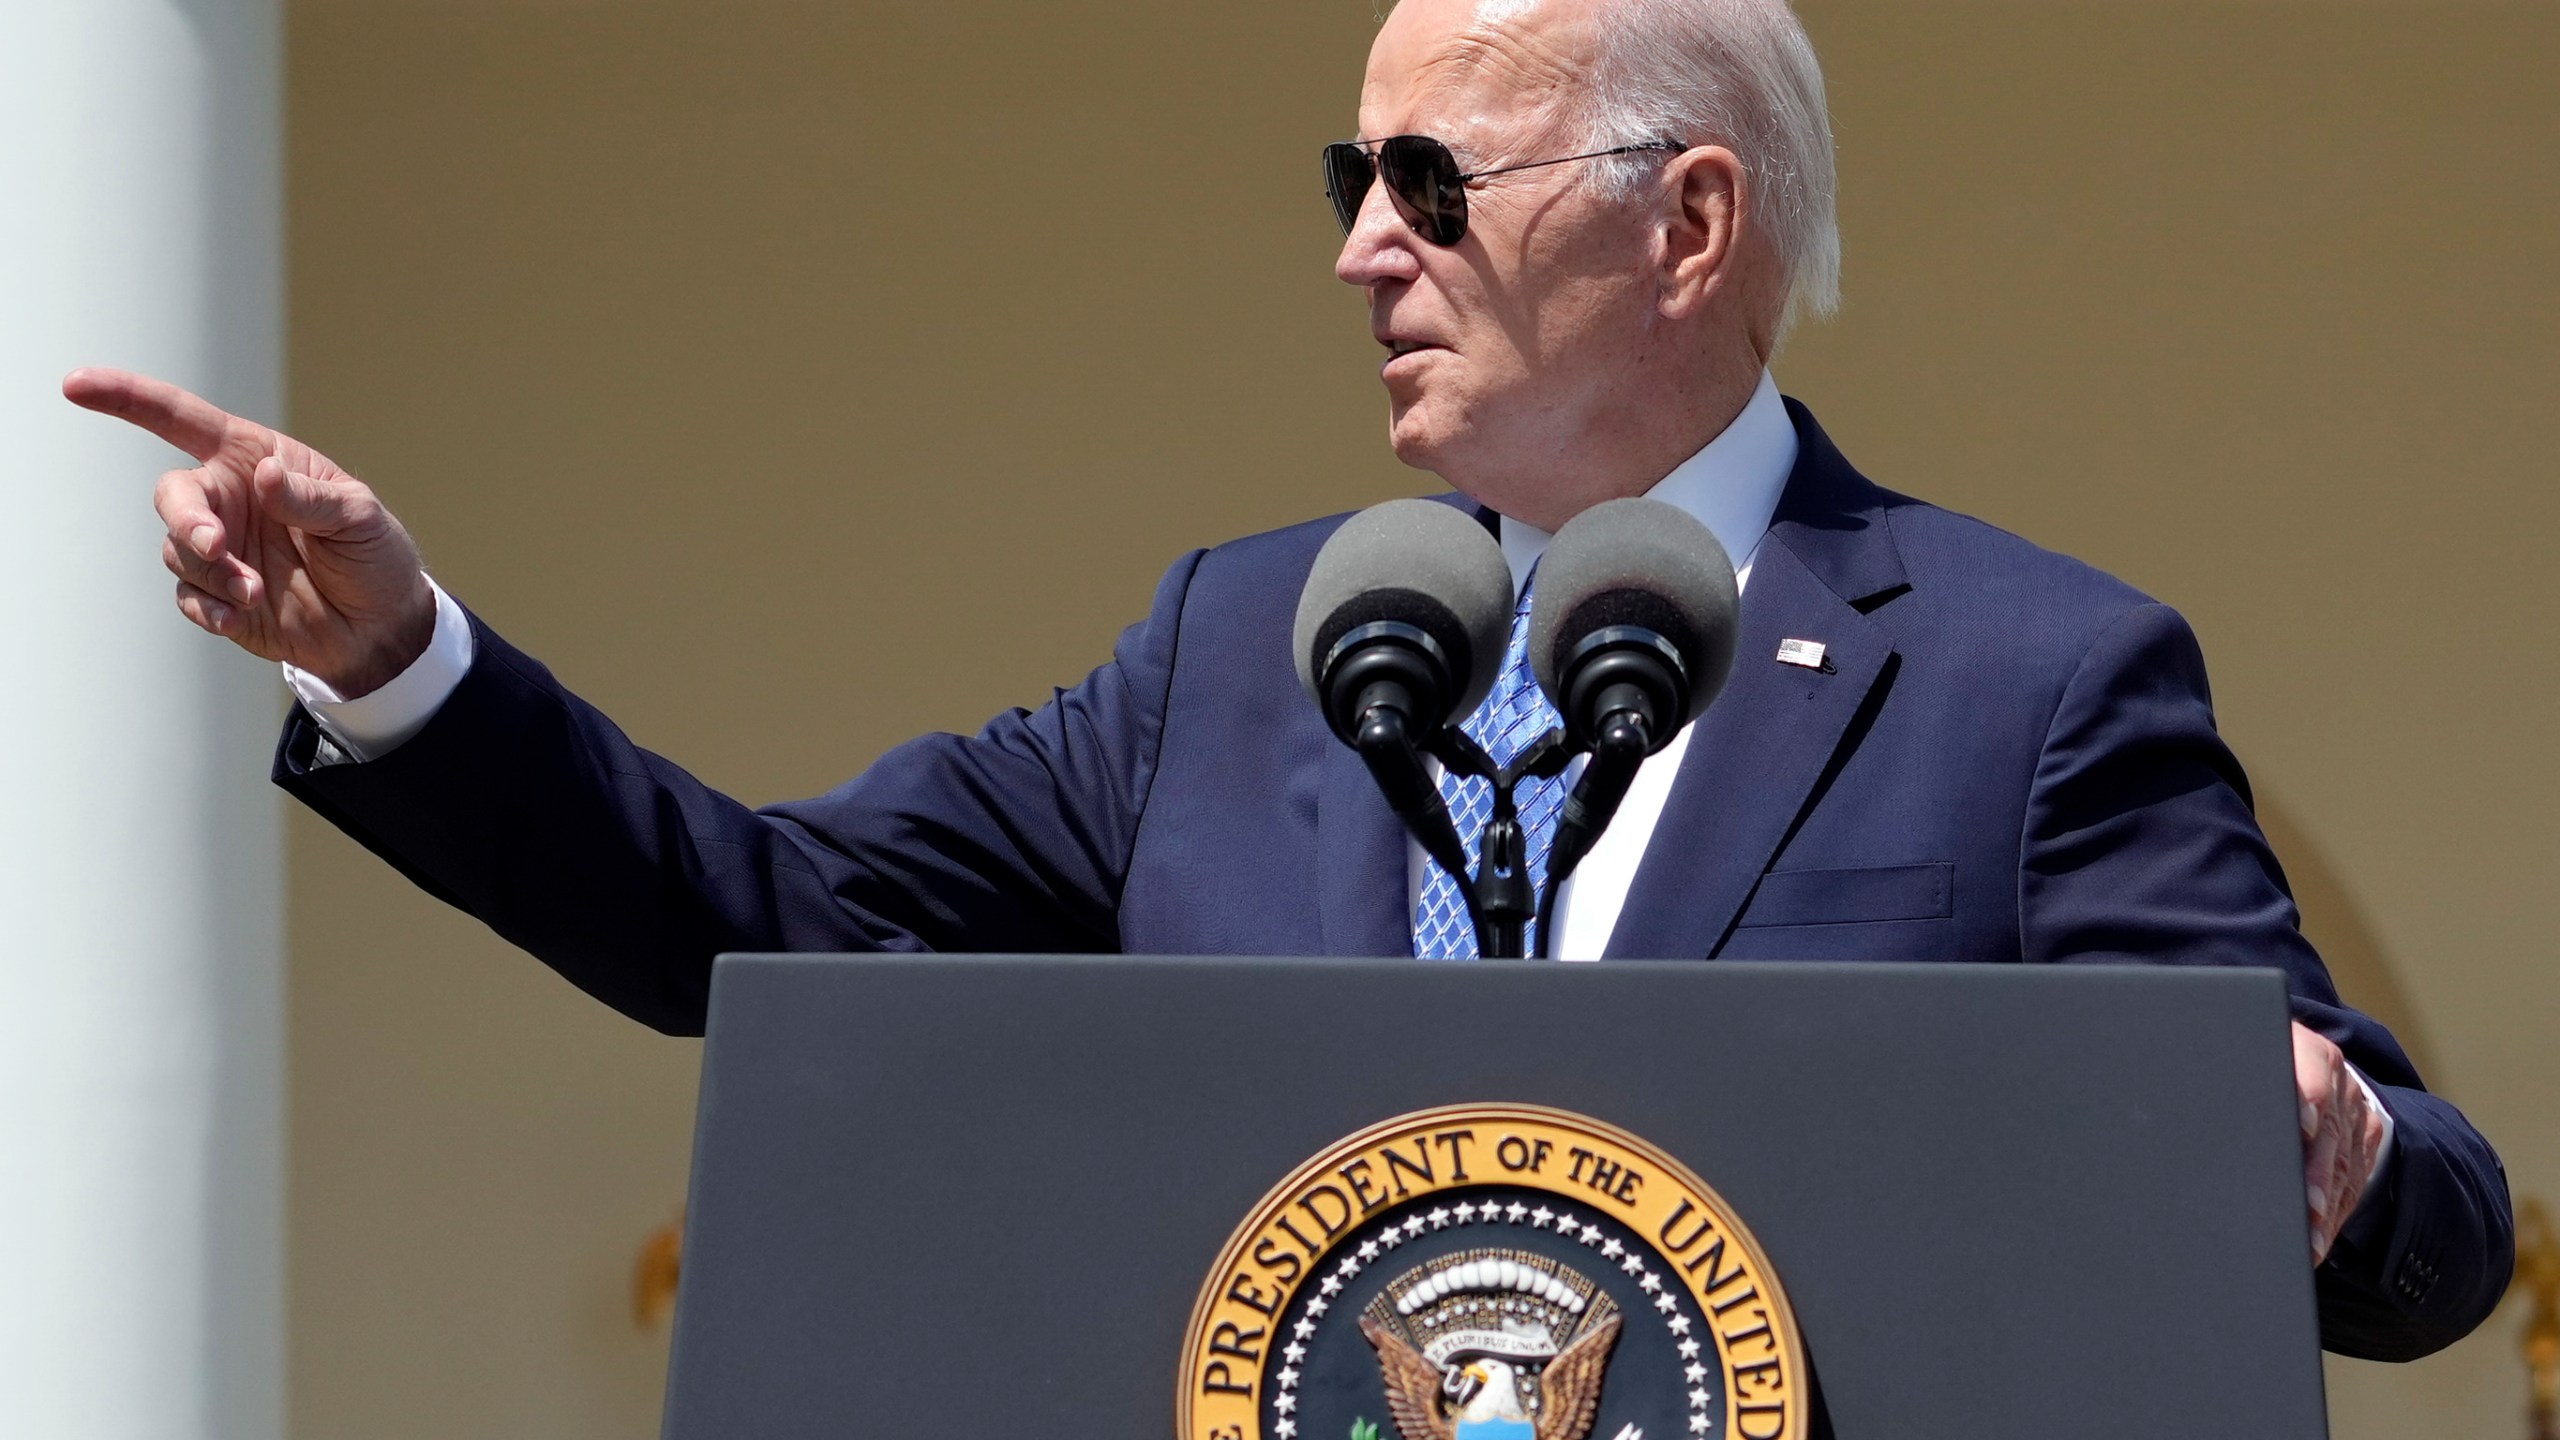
point(1416, 442)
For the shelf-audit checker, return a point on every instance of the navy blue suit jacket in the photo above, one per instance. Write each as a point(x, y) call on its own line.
point(2009, 757)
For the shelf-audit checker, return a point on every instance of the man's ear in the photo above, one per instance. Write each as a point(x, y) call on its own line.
point(1705, 202)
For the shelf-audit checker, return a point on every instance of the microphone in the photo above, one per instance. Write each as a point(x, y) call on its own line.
point(1400, 632)
point(1407, 608)
point(1631, 635)
point(1634, 621)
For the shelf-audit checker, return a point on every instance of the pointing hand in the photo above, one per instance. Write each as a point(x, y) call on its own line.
point(275, 548)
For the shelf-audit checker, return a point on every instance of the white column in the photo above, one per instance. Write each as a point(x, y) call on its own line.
point(141, 1036)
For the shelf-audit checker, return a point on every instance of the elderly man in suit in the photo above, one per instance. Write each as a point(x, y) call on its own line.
point(1581, 228)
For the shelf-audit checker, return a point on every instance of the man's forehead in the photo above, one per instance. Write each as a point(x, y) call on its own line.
point(1459, 61)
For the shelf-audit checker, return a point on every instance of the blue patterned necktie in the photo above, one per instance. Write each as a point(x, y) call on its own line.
point(1508, 722)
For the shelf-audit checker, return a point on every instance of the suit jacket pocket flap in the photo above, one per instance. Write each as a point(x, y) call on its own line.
point(1850, 897)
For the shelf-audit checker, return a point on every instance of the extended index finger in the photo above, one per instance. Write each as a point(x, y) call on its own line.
point(186, 420)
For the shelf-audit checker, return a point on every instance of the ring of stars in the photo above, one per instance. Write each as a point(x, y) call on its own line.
point(1665, 1299)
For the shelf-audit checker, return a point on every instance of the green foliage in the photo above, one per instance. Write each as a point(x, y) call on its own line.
point(1363, 1430)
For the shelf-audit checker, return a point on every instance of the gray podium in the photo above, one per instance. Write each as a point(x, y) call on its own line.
point(980, 1197)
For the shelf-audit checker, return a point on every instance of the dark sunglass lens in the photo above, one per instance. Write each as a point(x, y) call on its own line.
point(1348, 173)
point(1423, 177)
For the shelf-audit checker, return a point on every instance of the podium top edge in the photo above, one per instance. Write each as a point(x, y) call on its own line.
point(1880, 971)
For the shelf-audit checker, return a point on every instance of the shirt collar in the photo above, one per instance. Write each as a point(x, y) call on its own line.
point(1732, 485)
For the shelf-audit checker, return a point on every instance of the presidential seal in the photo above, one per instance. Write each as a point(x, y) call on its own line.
point(1492, 1272)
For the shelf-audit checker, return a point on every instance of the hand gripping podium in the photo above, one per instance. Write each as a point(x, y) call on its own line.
point(1396, 1200)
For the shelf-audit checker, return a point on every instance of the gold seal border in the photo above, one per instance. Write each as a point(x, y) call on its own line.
point(1785, 1338)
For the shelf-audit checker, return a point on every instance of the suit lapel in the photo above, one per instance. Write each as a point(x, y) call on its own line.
point(1760, 753)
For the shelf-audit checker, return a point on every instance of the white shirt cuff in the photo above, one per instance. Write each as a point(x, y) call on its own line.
point(373, 725)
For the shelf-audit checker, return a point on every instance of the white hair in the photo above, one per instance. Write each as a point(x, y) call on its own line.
point(1740, 73)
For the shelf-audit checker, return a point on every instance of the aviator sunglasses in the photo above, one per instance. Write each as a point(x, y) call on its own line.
point(1424, 181)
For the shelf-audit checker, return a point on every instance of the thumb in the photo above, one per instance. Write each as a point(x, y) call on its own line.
point(309, 503)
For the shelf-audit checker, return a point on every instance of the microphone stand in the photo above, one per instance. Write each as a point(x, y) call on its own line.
point(1501, 899)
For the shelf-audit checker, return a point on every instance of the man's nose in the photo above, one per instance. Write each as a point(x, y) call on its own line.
point(1380, 245)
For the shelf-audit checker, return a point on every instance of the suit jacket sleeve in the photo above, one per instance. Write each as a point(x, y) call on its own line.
point(524, 806)
point(2140, 845)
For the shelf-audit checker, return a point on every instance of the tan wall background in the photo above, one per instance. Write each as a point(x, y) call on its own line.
point(717, 351)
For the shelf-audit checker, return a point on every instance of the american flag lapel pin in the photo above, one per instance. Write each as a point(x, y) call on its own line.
point(1807, 653)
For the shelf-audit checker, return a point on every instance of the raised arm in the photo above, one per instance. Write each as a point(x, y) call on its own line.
point(526, 807)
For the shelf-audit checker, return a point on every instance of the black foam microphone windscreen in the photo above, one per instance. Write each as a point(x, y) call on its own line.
point(1418, 563)
point(1644, 565)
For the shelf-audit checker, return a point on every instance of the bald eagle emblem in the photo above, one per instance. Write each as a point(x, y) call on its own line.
point(1492, 1272)
point(1492, 1345)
